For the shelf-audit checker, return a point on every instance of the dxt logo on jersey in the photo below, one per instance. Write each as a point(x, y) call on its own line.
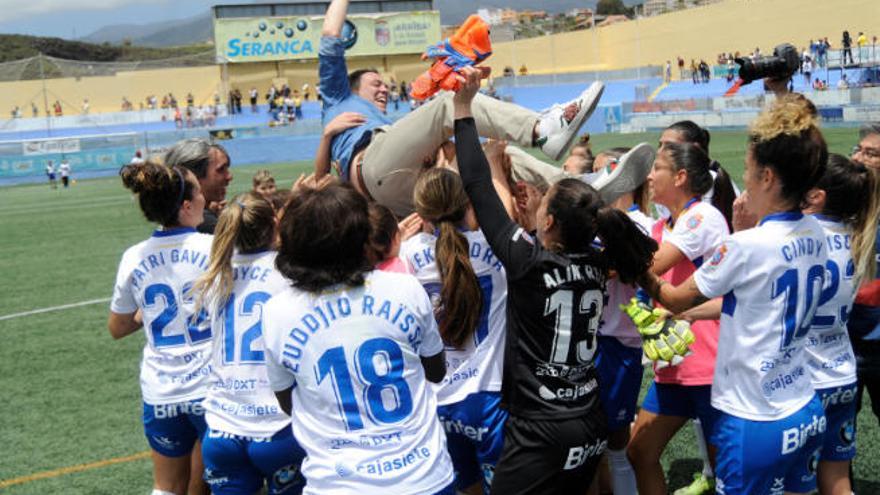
point(795, 438)
point(577, 456)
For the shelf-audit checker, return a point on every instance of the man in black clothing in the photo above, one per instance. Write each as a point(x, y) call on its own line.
point(210, 164)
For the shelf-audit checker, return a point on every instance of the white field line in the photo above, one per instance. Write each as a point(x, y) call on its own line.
point(54, 308)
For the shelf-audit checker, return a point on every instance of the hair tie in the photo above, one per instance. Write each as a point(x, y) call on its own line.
point(182, 187)
point(240, 204)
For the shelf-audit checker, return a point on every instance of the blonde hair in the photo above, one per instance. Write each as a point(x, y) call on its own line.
point(791, 115)
point(439, 198)
point(246, 224)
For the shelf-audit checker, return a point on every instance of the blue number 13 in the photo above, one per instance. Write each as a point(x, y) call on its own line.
point(378, 384)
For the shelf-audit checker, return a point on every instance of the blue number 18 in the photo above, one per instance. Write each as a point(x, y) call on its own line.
point(386, 382)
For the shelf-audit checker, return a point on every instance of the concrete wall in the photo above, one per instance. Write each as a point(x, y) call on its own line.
point(697, 33)
point(105, 93)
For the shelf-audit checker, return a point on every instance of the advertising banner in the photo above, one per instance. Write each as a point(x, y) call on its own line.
point(261, 39)
point(50, 146)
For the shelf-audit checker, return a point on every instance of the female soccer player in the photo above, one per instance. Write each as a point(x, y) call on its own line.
point(249, 440)
point(555, 434)
point(692, 232)
point(723, 190)
point(771, 421)
point(153, 289)
point(349, 352)
point(847, 204)
point(467, 285)
point(619, 357)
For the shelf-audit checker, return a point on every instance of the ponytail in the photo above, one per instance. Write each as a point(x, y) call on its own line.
point(723, 193)
point(852, 195)
point(460, 291)
point(161, 190)
point(628, 250)
point(439, 198)
point(248, 223)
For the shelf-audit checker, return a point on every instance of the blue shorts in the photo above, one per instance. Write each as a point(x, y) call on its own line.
point(689, 401)
point(620, 380)
point(236, 465)
point(840, 412)
point(474, 437)
point(172, 429)
point(769, 456)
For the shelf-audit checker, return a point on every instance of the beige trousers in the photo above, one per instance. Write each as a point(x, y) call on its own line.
point(397, 153)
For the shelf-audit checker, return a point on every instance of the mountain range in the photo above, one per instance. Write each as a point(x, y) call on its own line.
point(199, 29)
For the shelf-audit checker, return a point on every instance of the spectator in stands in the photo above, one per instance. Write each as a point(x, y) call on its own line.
point(694, 71)
point(680, 67)
point(57, 108)
point(253, 96)
point(395, 97)
point(210, 164)
point(85, 106)
point(847, 48)
point(508, 71)
point(731, 70)
point(668, 72)
point(822, 48)
point(523, 70)
point(236, 99)
point(861, 42)
point(297, 105)
point(404, 89)
point(306, 91)
point(16, 112)
point(190, 100)
point(705, 72)
point(35, 112)
point(178, 118)
point(843, 83)
point(807, 68)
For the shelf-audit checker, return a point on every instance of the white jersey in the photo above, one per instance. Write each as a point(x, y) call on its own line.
point(240, 400)
point(614, 323)
point(477, 366)
point(362, 408)
point(64, 168)
point(155, 276)
point(830, 352)
point(771, 278)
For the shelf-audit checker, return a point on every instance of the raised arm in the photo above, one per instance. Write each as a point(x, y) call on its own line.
point(334, 18)
point(508, 240)
point(341, 122)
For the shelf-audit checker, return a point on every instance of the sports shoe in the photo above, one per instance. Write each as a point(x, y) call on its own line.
point(630, 172)
point(555, 134)
point(700, 486)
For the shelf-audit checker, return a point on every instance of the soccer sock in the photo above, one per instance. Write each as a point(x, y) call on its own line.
point(704, 450)
point(623, 478)
point(157, 491)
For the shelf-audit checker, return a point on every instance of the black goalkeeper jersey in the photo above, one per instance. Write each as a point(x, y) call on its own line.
point(554, 303)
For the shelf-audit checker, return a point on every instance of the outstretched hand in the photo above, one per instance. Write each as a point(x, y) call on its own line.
point(343, 121)
point(470, 78)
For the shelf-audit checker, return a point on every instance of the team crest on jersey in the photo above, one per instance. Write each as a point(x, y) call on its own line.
point(719, 255)
point(694, 221)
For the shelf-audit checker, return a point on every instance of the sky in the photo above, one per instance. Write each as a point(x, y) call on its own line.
point(78, 18)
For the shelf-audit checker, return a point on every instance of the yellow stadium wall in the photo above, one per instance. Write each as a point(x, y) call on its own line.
point(297, 73)
point(697, 33)
point(105, 93)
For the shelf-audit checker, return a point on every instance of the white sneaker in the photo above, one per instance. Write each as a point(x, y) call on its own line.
point(630, 172)
point(555, 135)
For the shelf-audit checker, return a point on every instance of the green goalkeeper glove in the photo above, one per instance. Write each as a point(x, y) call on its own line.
point(664, 341)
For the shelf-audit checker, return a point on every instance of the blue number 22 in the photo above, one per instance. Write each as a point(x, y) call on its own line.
point(194, 329)
point(379, 385)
